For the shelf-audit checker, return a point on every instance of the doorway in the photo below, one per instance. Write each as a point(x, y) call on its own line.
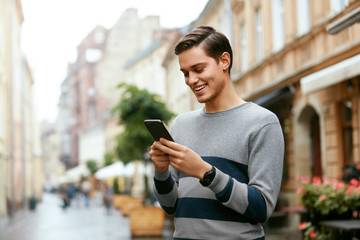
point(308, 143)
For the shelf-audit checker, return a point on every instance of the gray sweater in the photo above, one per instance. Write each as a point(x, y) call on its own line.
point(245, 145)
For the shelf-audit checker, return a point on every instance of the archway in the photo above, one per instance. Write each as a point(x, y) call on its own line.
point(308, 143)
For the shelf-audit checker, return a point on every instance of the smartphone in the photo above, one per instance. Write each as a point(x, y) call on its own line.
point(157, 129)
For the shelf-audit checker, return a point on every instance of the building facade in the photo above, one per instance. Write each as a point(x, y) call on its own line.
point(281, 46)
point(287, 61)
point(20, 161)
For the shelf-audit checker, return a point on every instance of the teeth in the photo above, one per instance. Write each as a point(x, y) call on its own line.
point(199, 88)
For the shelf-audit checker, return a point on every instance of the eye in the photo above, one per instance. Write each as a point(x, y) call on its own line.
point(199, 70)
point(186, 74)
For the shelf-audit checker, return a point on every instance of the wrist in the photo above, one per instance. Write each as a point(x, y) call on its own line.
point(204, 170)
point(208, 177)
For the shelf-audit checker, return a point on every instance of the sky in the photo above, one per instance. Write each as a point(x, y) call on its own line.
point(52, 29)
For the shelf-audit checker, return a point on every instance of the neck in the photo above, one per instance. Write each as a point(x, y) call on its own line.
point(228, 99)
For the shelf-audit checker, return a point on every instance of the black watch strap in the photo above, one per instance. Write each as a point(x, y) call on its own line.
point(208, 177)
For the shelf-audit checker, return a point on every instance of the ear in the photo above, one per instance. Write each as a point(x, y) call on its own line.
point(225, 60)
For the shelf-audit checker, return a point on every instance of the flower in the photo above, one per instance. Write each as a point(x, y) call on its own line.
point(354, 182)
point(350, 190)
point(303, 225)
point(299, 190)
point(316, 180)
point(329, 199)
point(312, 234)
point(339, 185)
point(322, 198)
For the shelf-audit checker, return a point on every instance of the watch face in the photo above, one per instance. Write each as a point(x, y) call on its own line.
point(208, 177)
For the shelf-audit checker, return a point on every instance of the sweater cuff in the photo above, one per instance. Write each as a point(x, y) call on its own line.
point(220, 181)
point(161, 176)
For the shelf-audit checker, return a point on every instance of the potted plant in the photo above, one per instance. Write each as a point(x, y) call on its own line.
point(327, 200)
point(133, 143)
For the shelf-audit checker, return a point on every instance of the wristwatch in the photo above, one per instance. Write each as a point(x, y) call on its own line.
point(208, 177)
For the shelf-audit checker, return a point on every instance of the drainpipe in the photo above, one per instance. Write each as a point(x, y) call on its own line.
point(23, 131)
point(11, 114)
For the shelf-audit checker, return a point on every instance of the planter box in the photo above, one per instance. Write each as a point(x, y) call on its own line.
point(147, 221)
point(129, 204)
point(119, 199)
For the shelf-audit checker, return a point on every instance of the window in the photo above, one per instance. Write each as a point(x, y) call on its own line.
point(244, 62)
point(93, 55)
point(338, 5)
point(99, 37)
point(347, 131)
point(278, 24)
point(259, 36)
point(303, 16)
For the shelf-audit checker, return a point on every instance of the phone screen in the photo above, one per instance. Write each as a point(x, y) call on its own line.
point(157, 129)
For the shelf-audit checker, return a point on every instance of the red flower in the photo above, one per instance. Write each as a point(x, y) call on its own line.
point(339, 185)
point(322, 198)
point(303, 225)
point(312, 234)
point(350, 190)
point(305, 179)
point(299, 190)
point(354, 182)
point(316, 180)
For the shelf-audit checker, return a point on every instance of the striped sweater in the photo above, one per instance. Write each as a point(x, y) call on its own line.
point(245, 145)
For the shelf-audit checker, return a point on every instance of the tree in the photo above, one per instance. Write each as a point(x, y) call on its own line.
point(91, 164)
point(108, 158)
point(134, 107)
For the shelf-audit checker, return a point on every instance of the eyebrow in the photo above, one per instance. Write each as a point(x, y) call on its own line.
point(193, 66)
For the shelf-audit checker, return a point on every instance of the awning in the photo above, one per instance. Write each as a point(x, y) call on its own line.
point(336, 73)
point(272, 97)
point(74, 174)
point(114, 170)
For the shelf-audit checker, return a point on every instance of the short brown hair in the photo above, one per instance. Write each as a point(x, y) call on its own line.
point(214, 43)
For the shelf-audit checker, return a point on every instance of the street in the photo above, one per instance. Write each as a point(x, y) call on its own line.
point(50, 222)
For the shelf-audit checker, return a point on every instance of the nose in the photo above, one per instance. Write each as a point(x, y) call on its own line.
point(192, 78)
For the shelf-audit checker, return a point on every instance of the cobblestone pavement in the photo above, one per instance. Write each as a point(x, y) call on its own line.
point(50, 222)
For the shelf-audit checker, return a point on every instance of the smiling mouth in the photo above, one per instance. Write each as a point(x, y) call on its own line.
point(197, 89)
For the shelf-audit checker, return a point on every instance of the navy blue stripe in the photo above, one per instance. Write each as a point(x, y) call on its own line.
point(164, 187)
point(207, 209)
point(232, 168)
point(169, 210)
point(257, 206)
point(225, 194)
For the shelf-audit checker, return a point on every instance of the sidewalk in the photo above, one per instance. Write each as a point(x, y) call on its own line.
point(50, 222)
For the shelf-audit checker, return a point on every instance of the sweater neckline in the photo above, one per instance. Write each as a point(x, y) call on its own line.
point(225, 112)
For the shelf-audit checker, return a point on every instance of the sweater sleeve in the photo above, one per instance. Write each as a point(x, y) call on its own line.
point(165, 189)
point(257, 199)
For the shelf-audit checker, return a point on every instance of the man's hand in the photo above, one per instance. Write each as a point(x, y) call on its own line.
point(159, 158)
point(180, 157)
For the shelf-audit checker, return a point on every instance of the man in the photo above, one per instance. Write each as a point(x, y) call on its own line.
point(222, 175)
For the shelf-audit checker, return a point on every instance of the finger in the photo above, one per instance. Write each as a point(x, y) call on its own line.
point(168, 150)
point(171, 144)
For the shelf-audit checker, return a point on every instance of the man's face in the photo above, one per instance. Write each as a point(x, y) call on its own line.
point(204, 76)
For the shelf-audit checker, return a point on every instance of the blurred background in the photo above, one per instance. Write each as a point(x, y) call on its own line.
point(62, 114)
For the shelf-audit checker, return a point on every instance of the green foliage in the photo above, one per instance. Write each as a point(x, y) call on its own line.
point(91, 164)
point(134, 107)
point(327, 200)
point(116, 186)
point(109, 158)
